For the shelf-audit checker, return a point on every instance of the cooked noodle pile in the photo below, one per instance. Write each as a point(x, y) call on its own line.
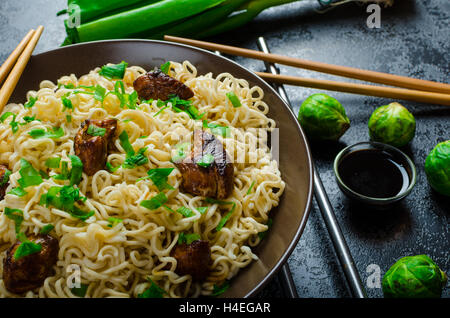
point(117, 261)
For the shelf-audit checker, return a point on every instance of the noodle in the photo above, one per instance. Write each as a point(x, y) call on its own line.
point(116, 261)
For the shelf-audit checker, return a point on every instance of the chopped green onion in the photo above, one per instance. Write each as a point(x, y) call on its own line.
point(165, 67)
point(80, 291)
point(28, 119)
point(67, 103)
point(160, 111)
point(154, 291)
point(53, 162)
point(30, 103)
point(43, 174)
point(68, 118)
point(77, 169)
point(262, 235)
point(216, 129)
point(16, 215)
point(65, 173)
point(206, 160)
point(181, 152)
point(219, 290)
point(19, 191)
point(54, 133)
point(227, 216)
point(188, 238)
point(126, 145)
point(114, 221)
point(234, 99)
point(185, 212)
point(96, 131)
point(5, 178)
point(47, 229)
point(155, 202)
point(202, 209)
point(250, 188)
point(159, 177)
point(26, 248)
point(14, 125)
point(136, 160)
point(116, 71)
point(29, 175)
point(99, 93)
point(111, 168)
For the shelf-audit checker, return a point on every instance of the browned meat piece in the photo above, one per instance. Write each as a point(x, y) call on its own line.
point(93, 150)
point(29, 272)
point(215, 180)
point(158, 85)
point(193, 259)
point(3, 183)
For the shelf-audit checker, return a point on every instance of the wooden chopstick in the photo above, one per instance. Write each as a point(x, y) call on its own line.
point(362, 89)
point(12, 58)
point(345, 71)
point(10, 84)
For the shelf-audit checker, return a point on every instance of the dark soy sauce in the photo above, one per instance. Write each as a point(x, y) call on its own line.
point(373, 173)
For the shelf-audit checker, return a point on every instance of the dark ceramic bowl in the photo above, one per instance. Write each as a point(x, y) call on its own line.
point(289, 218)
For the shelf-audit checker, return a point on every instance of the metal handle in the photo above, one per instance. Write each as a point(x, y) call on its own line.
point(340, 245)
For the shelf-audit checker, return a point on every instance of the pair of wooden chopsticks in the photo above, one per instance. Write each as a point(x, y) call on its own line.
point(412, 89)
point(15, 64)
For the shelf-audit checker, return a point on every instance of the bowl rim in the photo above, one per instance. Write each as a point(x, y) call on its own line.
point(390, 148)
point(288, 251)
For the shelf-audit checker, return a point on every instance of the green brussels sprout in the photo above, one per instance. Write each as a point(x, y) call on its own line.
point(437, 168)
point(392, 124)
point(323, 117)
point(414, 277)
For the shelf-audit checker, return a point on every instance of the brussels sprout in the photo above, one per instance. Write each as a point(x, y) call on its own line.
point(437, 168)
point(414, 277)
point(392, 124)
point(323, 117)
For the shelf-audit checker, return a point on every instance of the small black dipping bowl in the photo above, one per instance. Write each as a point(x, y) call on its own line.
point(374, 173)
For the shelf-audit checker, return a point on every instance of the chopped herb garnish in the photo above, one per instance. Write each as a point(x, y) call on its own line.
point(115, 71)
point(96, 131)
point(53, 162)
point(126, 145)
point(250, 188)
point(154, 291)
point(111, 168)
point(155, 202)
point(159, 177)
point(47, 229)
point(77, 169)
point(67, 103)
point(30, 102)
point(65, 173)
point(54, 133)
point(26, 247)
point(165, 67)
point(68, 118)
point(14, 125)
point(80, 291)
point(206, 160)
point(19, 191)
point(136, 160)
point(28, 119)
point(99, 93)
point(16, 215)
point(68, 195)
point(114, 221)
point(202, 209)
point(5, 178)
point(180, 153)
point(44, 174)
point(216, 129)
point(234, 99)
point(29, 175)
point(188, 238)
point(219, 290)
point(181, 105)
point(69, 86)
point(269, 225)
point(226, 217)
point(185, 212)
point(160, 111)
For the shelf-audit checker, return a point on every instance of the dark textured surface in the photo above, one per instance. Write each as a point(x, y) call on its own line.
point(414, 40)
